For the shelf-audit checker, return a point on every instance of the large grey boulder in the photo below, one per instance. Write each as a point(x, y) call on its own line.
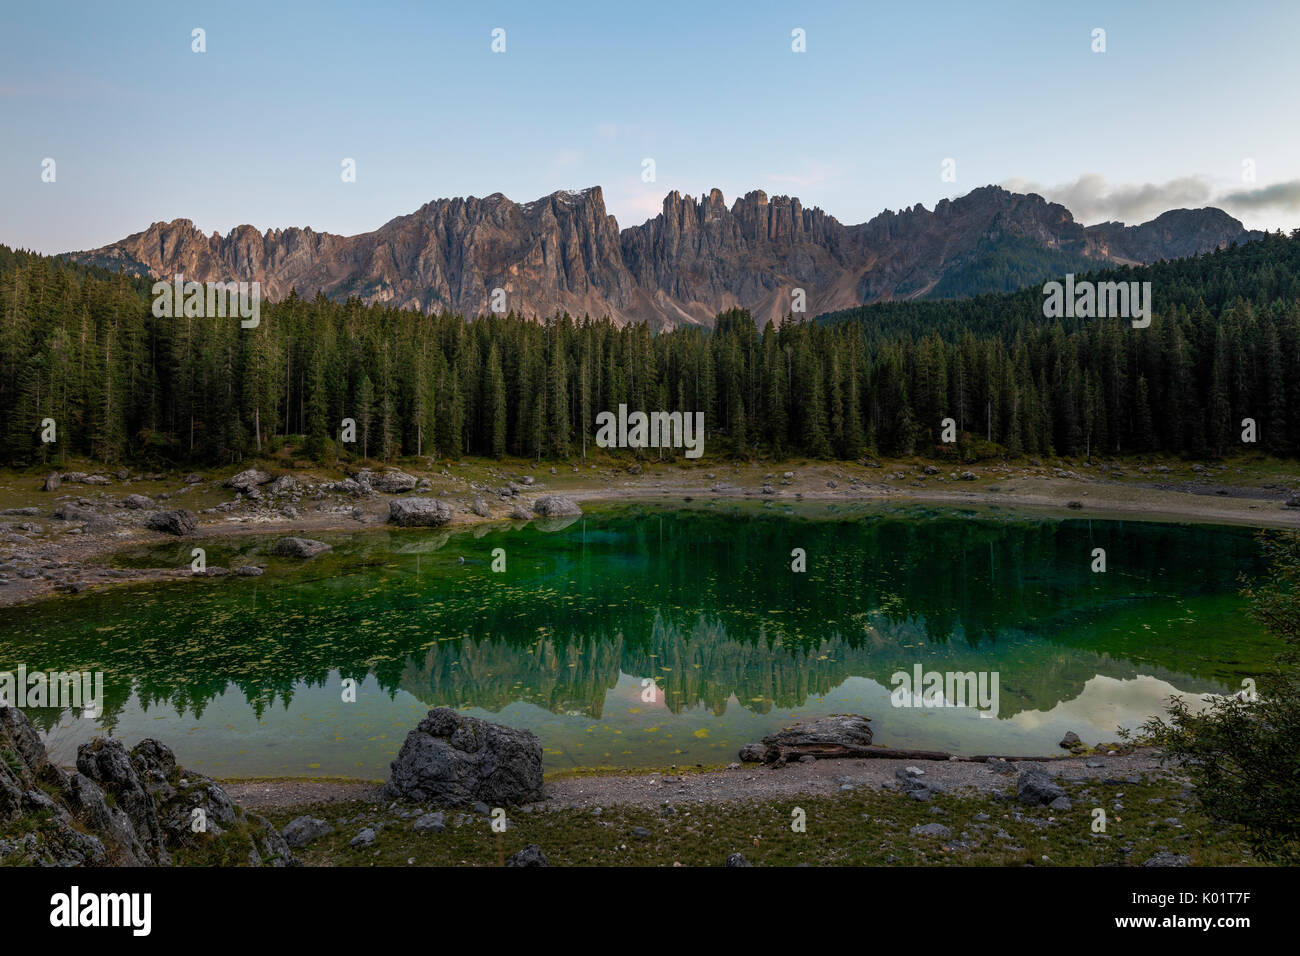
point(419, 512)
point(248, 480)
point(299, 548)
point(176, 522)
point(1036, 787)
point(393, 482)
point(451, 759)
point(554, 506)
point(300, 831)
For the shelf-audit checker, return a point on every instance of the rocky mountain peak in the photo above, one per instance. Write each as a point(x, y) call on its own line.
point(565, 252)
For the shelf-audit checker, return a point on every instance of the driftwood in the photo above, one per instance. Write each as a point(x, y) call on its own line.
point(845, 736)
point(791, 753)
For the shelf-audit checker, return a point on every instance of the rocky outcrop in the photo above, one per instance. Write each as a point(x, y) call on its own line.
point(418, 512)
point(451, 760)
point(698, 257)
point(120, 807)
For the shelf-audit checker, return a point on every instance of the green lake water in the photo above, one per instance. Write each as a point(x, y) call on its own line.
point(242, 676)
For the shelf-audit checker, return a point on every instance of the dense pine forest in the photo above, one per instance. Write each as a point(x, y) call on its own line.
point(82, 347)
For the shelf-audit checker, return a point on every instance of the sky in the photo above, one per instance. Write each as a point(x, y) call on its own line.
point(1190, 104)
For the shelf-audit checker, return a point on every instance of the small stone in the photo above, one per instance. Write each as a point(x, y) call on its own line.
point(937, 830)
point(530, 855)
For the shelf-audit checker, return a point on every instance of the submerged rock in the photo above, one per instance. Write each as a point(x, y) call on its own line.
point(299, 548)
point(453, 760)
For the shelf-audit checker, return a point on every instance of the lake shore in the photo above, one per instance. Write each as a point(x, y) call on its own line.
point(824, 813)
point(41, 555)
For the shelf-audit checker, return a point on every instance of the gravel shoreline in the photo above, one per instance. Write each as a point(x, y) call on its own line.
point(739, 782)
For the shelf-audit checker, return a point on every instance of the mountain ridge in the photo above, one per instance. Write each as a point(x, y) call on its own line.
point(696, 258)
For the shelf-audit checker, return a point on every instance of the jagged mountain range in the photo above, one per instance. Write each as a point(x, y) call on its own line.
point(564, 252)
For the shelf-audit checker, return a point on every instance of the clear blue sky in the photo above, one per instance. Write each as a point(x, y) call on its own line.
point(254, 130)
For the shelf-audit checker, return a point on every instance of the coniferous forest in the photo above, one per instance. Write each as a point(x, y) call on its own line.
point(82, 347)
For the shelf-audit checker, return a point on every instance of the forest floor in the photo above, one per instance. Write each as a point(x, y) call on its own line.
point(853, 813)
point(41, 555)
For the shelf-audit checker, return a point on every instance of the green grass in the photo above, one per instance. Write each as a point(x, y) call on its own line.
point(863, 827)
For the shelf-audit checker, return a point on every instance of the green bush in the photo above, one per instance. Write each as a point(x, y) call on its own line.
point(1243, 752)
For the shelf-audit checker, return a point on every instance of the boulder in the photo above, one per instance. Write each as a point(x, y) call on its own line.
point(753, 753)
point(137, 502)
point(176, 522)
point(480, 508)
point(737, 859)
point(520, 513)
point(418, 512)
point(1035, 787)
point(284, 485)
point(554, 506)
point(451, 759)
point(530, 855)
point(435, 822)
point(299, 548)
point(393, 482)
point(247, 480)
point(52, 482)
point(300, 831)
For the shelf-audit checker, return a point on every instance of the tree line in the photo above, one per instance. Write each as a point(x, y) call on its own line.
point(80, 346)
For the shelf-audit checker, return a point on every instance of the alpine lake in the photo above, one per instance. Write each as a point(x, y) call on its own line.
point(652, 634)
